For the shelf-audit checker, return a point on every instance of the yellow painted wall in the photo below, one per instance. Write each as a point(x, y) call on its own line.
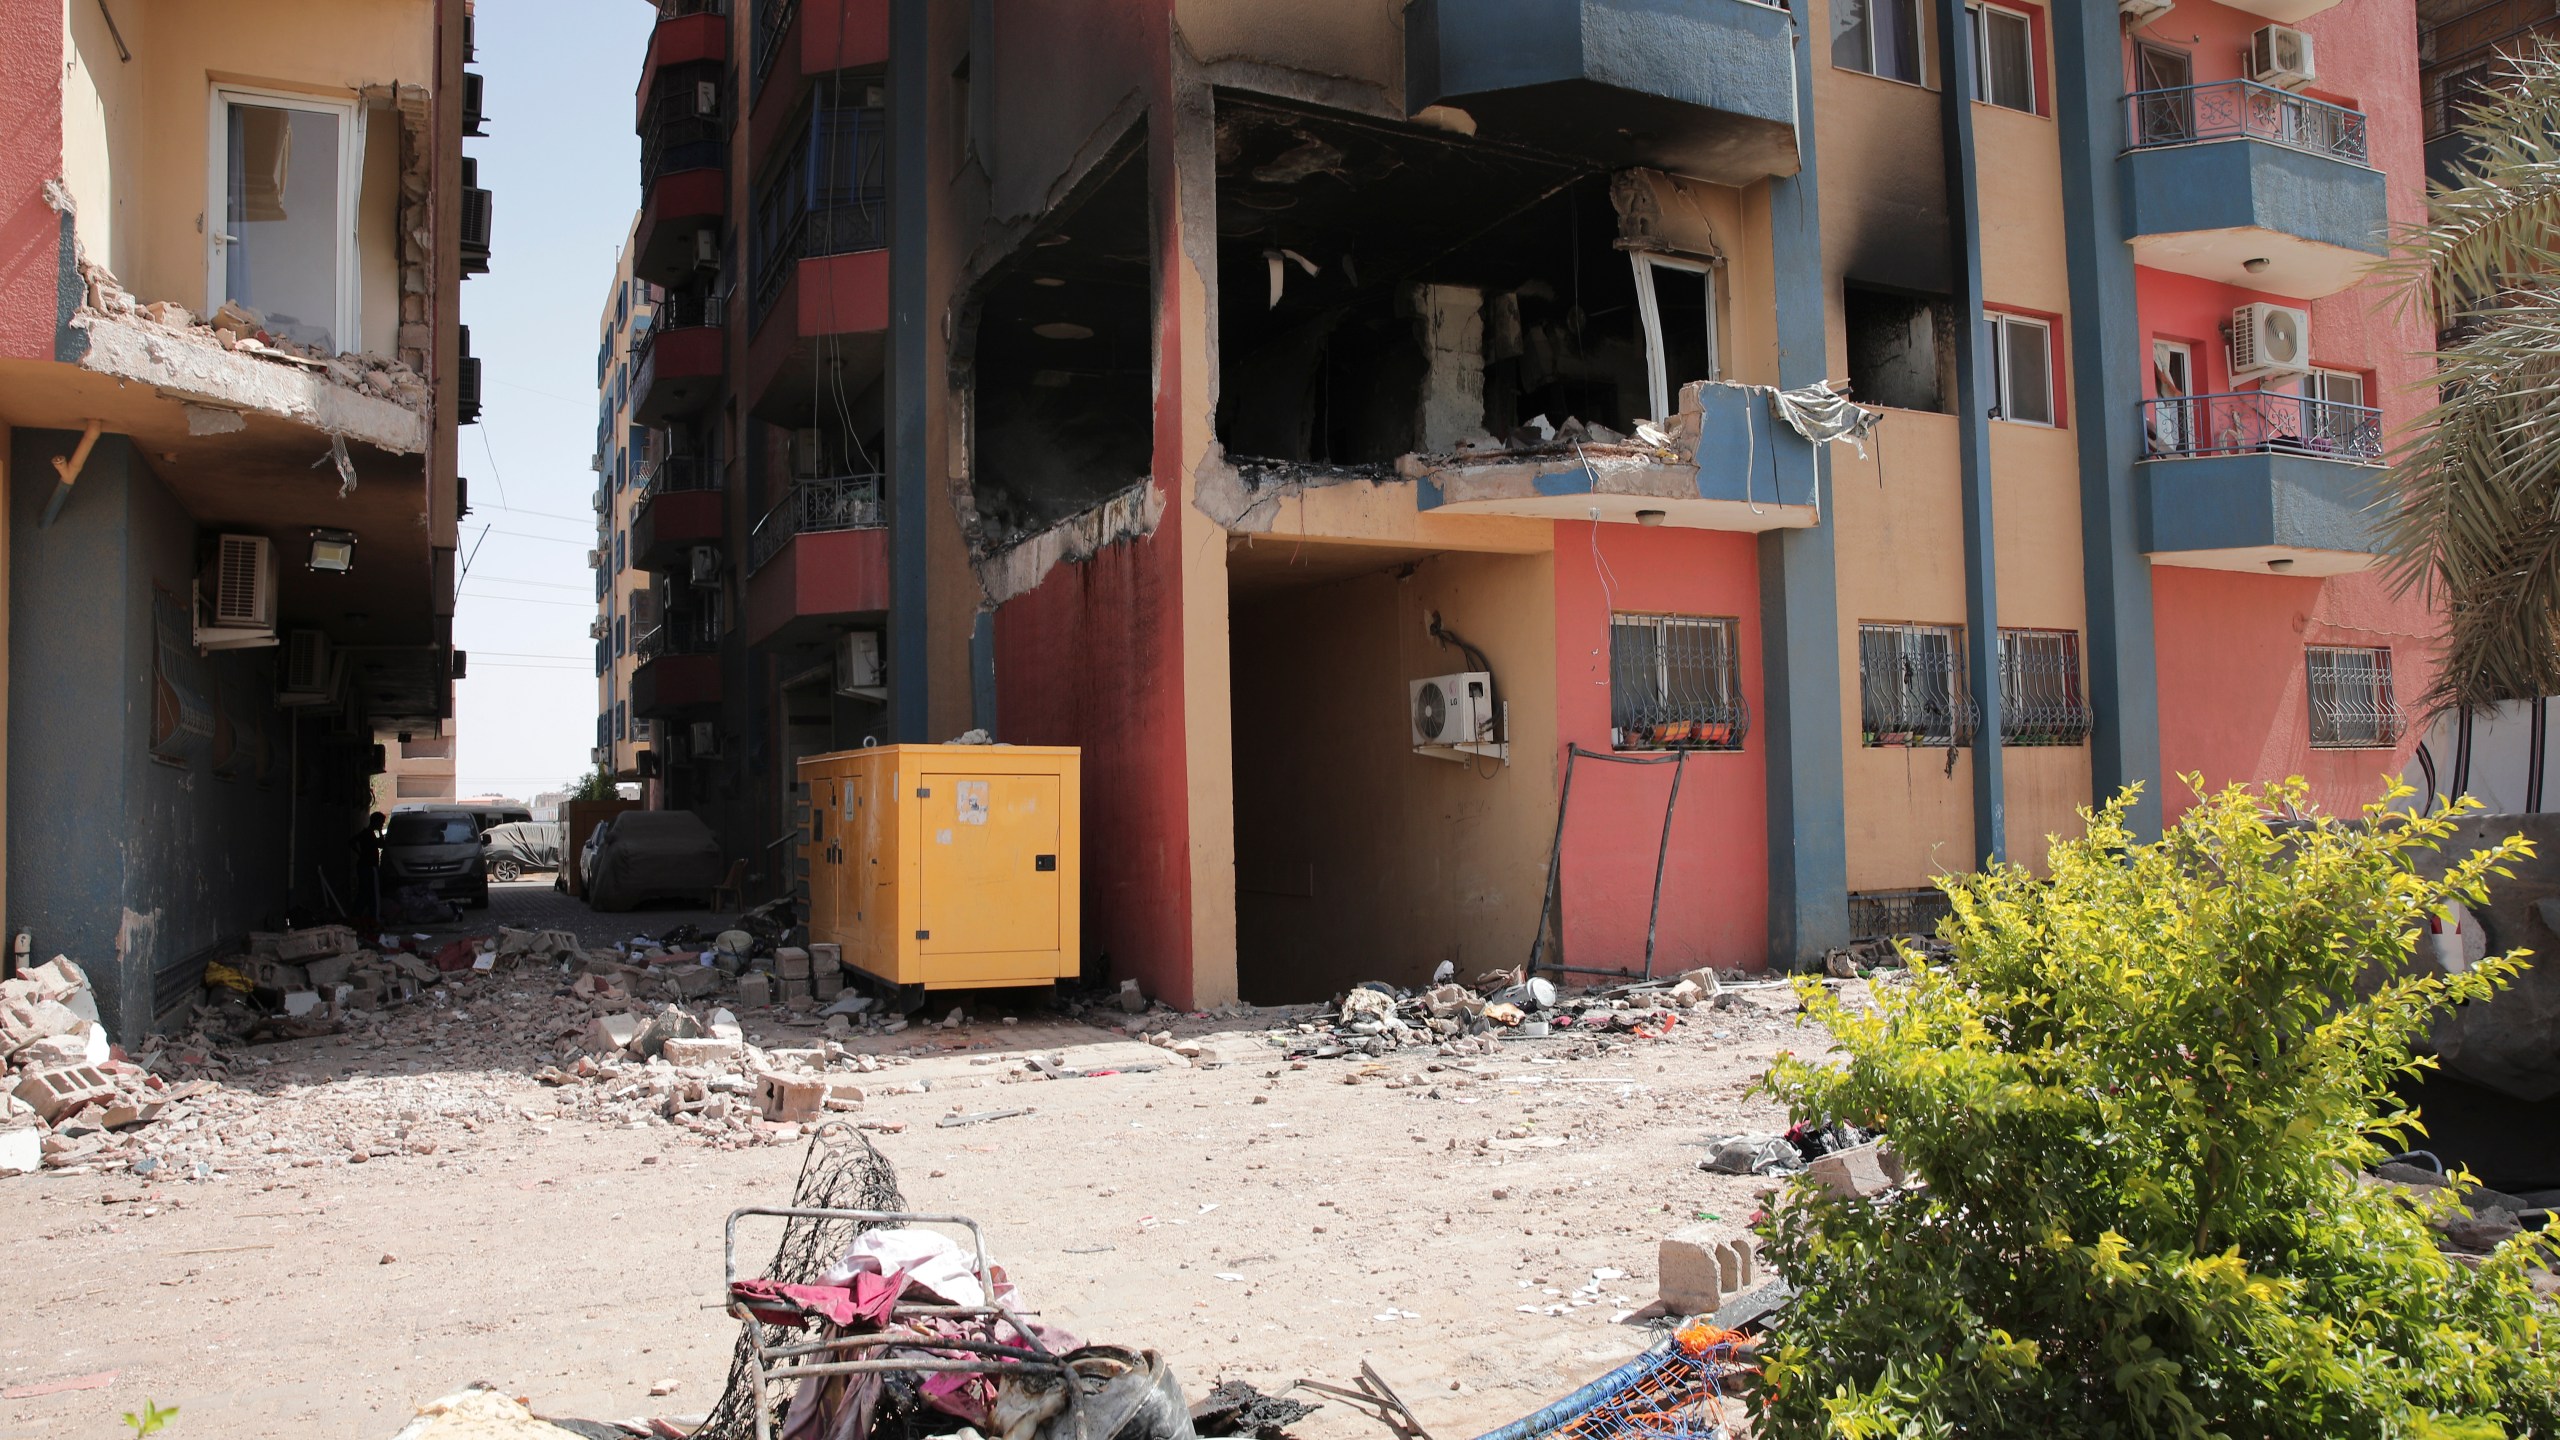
point(135, 132)
point(1361, 41)
point(1356, 858)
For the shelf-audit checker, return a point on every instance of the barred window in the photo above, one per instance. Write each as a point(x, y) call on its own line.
point(1675, 683)
point(1911, 685)
point(2041, 702)
point(2352, 707)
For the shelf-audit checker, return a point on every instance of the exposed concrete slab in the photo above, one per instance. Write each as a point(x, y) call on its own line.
point(202, 372)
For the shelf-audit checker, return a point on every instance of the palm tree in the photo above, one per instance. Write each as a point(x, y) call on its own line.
point(2477, 521)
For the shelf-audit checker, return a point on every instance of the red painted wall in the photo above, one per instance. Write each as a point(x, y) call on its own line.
point(844, 294)
point(2230, 646)
point(845, 35)
point(1715, 898)
point(31, 231)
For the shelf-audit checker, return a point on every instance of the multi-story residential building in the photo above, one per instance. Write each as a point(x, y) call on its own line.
point(626, 464)
point(418, 766)
point(2459, 43)
point(231, 367)
point(1230, 369)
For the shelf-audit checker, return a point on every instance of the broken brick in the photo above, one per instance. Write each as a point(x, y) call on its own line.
point(57, 1092)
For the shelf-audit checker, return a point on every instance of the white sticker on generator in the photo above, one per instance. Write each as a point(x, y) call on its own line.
point(973, 802)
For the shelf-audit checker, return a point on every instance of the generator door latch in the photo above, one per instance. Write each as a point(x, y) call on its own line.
point(1044, 862)
point(924, 934)
point(924, 792)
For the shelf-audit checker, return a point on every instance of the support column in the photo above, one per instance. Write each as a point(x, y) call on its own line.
point(1800, 601)
point(910, 486)
point(2107, 360)
point(1976, 393)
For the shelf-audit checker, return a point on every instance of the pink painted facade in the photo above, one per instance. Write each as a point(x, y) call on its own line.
point(32, 233)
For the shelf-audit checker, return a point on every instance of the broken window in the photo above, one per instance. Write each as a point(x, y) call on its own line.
point(2352, 707)
point(2041, 702)
point(285, 172)
point(1911, 685)
point(1675, 683)
point(1901, 348)
point(2022, 358)
point(1677, 300)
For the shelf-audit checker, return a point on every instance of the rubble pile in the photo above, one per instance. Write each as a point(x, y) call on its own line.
point(1884, 954)
point(71, 1094)
point(1456, 1020)
point(2481, 1221)
point(236, 327)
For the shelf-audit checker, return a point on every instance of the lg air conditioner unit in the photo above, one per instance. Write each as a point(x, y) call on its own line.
point(2270, 340)
point(706, 249)
point(1453, 711)
point(705, 744)
point(2139, 12)
point(2281, 55)
point(859, 673)
point(236, 596)
point(706, 97)
point(703, 565)
point(306, 666)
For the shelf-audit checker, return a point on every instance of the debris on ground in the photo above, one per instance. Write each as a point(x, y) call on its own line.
point(1234, 1407)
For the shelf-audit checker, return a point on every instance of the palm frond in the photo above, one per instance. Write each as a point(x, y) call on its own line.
point(2499, 216)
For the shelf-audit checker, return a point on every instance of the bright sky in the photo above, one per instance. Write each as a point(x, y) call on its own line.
point(565, 167)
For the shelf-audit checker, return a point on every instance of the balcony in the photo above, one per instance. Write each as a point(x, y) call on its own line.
point(1730, 465)
point(681, 504)
point(786, 50)
point(478, 220)
point(676, 363)
point(1705, 87)
point(2248, 185)
point(677, 668)
point(819, 266)
point(2261, 482)
point(818, 558)
point(684, 152)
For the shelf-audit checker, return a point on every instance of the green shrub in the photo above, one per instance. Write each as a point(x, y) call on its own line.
point(2141, 1099)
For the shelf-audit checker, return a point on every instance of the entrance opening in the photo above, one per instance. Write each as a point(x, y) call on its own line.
point(1356, 857)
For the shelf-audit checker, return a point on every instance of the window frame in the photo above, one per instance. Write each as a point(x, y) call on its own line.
point(1729, 714)
point(1975, 12)
point(2077, 719)
point(1919, 43)
point(2000, 323)
point(1657, 363)
point(346, 327)
point(1962, 720)
point(2388, 724)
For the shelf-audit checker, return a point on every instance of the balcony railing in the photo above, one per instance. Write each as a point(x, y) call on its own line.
point(678, 9)
point(671, 474)
point(827, 197)
point(773, 22)
point(676, 132)
point(678, 312)
point(837, 502)
point(2244, 109)
point(2256, 422)
point(675, 637)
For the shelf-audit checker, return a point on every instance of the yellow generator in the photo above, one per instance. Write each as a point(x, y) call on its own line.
point(946, 867)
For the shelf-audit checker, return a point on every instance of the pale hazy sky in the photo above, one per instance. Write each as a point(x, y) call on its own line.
point(564, 165)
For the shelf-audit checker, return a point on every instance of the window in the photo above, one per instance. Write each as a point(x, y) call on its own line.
point(621, 636)
point(621, 721)
point(2004, 67)
point(2041, 702)
point(1901, 348)
point(1911, 685)
point(2022, 362)
point(284, 173)
point(1677, 300)
point(2352, 707)
point(430, 828)
point(1675, 683)
point(618, 554)
point(1880, 37)
point(2165, 109)
point(2334, 413)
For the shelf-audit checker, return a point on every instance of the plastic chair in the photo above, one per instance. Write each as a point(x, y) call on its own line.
point(729, 894)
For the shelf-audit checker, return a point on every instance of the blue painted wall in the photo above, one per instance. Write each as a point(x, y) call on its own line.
point(99, 826)
point(2225, 502)
point(1729, 55)
point(2244, 184)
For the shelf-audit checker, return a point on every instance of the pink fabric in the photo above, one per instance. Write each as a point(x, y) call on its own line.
point(864, 1304)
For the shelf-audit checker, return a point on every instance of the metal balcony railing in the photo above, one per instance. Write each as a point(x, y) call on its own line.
point(836, 502)
point(675, 637)
point(677, 132)
point(829, 196)
point(677, 312)
point(2244, 109)
point(772, 23)
point(2256, 422)
point(678, 9)
point(671, 474)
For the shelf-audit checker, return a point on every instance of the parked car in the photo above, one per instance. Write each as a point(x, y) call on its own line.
point(437, 849)
point(652, 855)
point(519, 846)
point(587, 852)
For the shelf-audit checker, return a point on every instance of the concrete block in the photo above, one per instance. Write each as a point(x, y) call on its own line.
point(794, 990)
point(826, 982)
point(792, 961)
point(692, 982)
point(755, 989)
point(669, 1024)
point(721, 1025)
point(52, 1051)
point(131, 1112)
point(609, 1033)
point(790, 1097)
point(21, 1150)
point(326, 972)
point(844, 1092)
point(316, 941)
point(704, 1051)
point(1857, 1173)
point(299, 1003)
point(1692, 1265)
point(57, 1092)
point(825, 956)
point(282, 976)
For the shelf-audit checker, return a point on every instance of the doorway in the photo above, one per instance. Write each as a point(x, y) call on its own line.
point(2173, 421)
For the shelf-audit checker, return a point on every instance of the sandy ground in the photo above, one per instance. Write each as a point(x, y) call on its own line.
point(1252, 1220)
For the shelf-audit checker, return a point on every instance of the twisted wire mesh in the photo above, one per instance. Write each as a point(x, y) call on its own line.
point(841, 1171)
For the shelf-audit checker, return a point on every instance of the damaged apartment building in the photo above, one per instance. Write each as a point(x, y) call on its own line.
point(1599, 483)
point(231, 368)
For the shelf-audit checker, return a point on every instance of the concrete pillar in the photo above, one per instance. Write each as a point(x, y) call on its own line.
point(1977, 390)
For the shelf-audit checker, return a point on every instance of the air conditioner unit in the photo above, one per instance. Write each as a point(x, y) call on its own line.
point(2136, 12)
point(706, 97)
point(705, 743)
point(236, 596)
point(595, 559)
point(706, 249)
point(306, 663)
point(858, 670)
point(1453, 710)
point(704, 566)
point(599, 755)
point(2281, 55)
point(597, 627)
point(2270, 340)
point(808, 454)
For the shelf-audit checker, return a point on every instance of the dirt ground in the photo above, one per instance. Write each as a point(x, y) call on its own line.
point(1251, 1220)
